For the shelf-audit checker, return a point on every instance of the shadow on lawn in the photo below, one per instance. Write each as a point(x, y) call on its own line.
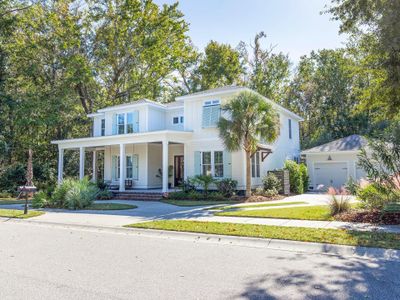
point(344, 279)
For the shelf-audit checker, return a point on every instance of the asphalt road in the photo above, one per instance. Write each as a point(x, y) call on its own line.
point(44, 262)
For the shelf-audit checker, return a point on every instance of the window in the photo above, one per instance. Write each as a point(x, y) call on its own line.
point(115, 167)
point(290, 129)
point(177, 120)
point(129, 123)
point(120, 123)
point(206, 163)
point(212, 163)
point(211, 113)
point(103, 127)
point(218, 164)
point(255, 165)
point(129, 167)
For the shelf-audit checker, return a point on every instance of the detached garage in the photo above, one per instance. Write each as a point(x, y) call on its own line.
point(332, 164)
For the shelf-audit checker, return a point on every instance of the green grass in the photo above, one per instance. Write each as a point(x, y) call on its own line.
point(319, 235)
point(320, 213)
point(257, 205)
point(19, 214)
point(110, 206)
point(5, 201)
point(198, 202)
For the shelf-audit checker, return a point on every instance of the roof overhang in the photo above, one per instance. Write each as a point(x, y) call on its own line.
point(132, 138)
point(331, 152)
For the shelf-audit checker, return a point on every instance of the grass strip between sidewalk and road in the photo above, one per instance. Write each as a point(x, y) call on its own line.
point(198, 202)
point(256, 205)
point(19, 214)
point(320, 213)
point(109, 206)
point(318, 235)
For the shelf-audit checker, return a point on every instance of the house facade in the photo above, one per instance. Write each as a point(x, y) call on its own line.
point(140, 140)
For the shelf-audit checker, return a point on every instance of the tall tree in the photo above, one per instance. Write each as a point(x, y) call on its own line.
point(251, 120)
point(269, 71)
point(322, 91)
point(220, 66)
point(375, 23)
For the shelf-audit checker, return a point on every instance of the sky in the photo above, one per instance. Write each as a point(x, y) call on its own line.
point(295, 27)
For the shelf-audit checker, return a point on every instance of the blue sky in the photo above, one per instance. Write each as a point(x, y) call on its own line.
point(295, 26)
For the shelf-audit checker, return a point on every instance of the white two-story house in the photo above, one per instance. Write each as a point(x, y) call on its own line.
point(140, 138)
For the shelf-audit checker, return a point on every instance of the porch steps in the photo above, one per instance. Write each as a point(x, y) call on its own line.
point(149, 196)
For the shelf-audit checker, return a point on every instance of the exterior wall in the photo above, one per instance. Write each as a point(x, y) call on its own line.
point(350, 158)
point(156, 119)
point(97, 126)
point(154, 163)
point(170, 114)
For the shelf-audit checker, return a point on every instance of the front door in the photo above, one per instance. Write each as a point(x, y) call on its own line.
point(178, 170)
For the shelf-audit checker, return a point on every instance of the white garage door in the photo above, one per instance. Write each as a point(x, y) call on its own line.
point(330, 174)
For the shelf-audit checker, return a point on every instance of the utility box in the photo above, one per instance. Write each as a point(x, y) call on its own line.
point(283, 176)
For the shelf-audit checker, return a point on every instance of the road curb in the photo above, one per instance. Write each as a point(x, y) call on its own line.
point(284, 245)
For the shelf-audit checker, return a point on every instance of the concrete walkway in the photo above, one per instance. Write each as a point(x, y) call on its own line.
point(149, 211)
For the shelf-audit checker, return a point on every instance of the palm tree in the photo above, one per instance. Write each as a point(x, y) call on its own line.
point(251, 120)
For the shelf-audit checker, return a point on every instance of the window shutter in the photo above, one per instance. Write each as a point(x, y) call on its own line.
point(136, 121)
point(135, 167)
point(197, 163)
point(206, 116)
point(227, 164)
point(215, 115)
point(113, 167)
point(114, 124)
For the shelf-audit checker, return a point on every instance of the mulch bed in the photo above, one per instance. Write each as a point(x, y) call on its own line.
point(366, 216)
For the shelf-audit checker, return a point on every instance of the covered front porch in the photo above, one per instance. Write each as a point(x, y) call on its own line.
point(151, 161)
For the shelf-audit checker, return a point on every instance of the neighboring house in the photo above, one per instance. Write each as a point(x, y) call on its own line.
point(332, 164)
point(141, 137)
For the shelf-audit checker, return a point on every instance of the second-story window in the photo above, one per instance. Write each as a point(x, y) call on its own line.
point(103, 127)
point(211, 113)
point(120, 123)
point(290, 129)
point(177, 120)
point(129, 123)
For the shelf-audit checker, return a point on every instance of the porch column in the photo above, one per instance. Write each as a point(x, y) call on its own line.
point(94, 175)
point(165, 166)
point(60, 165)
point(122, 167)
point(81, 162)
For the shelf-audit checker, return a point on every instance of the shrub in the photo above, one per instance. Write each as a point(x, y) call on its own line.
point(74, 194)
point(193, 195)
point(40, 200)
point(102, 185)
point(204, 181)
point(104, 195)
point(266, 193)
point(339, 202)
point(271, 182)
point(188, 185)
point(304, 176)
point(376, 196)
point(5, 195)
point(295, 177)
point(227, 186)
point(351, 186)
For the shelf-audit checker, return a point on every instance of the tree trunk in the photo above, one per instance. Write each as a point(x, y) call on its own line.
point(248, 174)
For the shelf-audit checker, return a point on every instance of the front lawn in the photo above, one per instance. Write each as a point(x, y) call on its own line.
point(109, 206)
point(198, 202)
point(19, 214)
point(319, 235)
point(258, 205)
point(320, 213)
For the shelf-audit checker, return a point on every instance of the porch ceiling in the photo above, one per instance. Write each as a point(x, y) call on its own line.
point(132, 138)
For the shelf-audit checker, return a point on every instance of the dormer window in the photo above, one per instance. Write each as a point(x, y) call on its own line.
point(211, 113)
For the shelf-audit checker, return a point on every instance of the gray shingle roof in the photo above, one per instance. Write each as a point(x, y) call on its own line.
point(215, 90)
point(350, 143)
